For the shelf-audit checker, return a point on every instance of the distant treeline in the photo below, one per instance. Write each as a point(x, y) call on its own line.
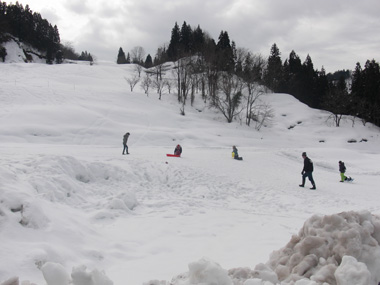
point(343, 92)
point(24, 25)
point(30, 28)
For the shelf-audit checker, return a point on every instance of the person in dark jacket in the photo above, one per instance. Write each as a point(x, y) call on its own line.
point(307, 171)
point(178, 150)
point(342, 170)
point(125, 140)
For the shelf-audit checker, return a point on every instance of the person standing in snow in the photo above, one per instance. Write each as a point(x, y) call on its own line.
point(125, 140)
point(178, 150)
point(342, 170)
point(307, 171)
point(235, 153)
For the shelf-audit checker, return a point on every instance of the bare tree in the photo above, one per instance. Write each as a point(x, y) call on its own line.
point(132, 81)
point(159, 70)
point(137, 55)
point(255, 91)
point(146, 83)
point(183, 70)
point(262, 115)
point(228, 103)
point(160, 84)
point(138, 69)
point(168, 83)
point(251, 74)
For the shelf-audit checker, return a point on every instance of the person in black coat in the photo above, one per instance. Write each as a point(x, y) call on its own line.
point(125, 140)
point(307, 171)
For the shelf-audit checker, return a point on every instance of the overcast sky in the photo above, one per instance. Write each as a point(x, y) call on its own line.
point(335, 33)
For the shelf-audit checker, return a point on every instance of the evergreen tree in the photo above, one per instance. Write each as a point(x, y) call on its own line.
point(185, 40)
point(174, 43)
point(148, 61)
point(273, 74)
point(308, 79)
point(357, 81)
point(121, 57)
point(198, 40)
point(224, 53)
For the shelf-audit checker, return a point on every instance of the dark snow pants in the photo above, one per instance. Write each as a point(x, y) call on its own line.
point(309, 175)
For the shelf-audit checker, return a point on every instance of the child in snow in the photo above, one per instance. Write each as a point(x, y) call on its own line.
point(235, 153)
point(178, 150)
point(342, 170)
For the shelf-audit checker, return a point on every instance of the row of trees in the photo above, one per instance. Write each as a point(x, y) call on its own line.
point(341, 93)
point(26, 26)
point(29, 27)
point(364, 98)
point(229, 78)
point(136, 56)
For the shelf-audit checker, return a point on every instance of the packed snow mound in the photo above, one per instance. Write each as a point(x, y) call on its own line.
point(64, 180)
point(321, 249)
point(340, 249)
point(55, 274)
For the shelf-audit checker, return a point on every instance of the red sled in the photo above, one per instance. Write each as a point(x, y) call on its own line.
point(173, 155)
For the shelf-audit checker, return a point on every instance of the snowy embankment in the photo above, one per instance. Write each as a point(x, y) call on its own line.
point(73, 209)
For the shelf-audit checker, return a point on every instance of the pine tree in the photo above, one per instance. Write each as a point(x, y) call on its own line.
point(198, 40)
point(273, 74)
point(174, 43)
point(121, 57)
point(185, 39)
point(148, 61)
point(224, 51)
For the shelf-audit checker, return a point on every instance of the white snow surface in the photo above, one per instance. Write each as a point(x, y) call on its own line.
point(74, 210)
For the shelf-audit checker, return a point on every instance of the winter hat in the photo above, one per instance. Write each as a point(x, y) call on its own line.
point(304, 154)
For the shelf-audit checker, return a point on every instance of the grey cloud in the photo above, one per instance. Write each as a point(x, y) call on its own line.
point(336, 34)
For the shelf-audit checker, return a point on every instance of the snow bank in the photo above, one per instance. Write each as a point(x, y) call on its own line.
point(55, 274)
point(204, 271)
point(321, 251)
point(336, 249)
point(63, 180)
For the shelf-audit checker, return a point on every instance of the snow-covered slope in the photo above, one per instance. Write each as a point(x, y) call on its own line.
point(72, 206)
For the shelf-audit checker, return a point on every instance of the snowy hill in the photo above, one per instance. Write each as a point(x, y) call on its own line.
point(73, 208)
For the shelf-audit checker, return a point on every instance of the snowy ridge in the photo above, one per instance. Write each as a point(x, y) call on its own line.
point(72, 206)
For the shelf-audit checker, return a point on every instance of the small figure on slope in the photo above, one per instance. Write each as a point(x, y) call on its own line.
point(307, 171)
point(235, 153)
point(342, 170)
point(125, 140)
point(178, 150)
